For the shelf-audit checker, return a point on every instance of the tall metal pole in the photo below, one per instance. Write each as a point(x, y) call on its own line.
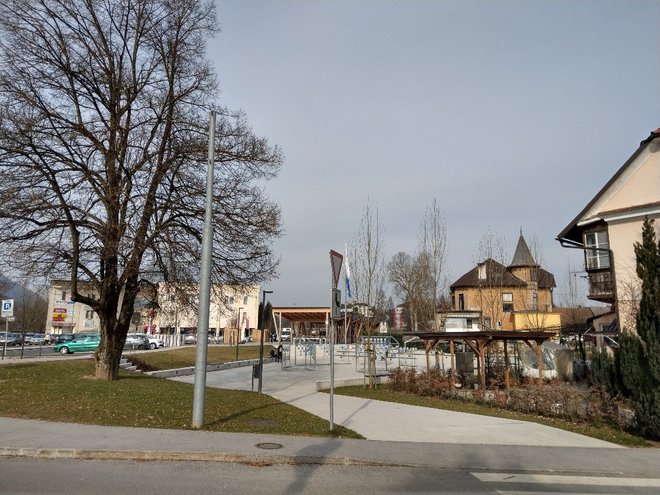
point(4, 347)
point(238, 329)
point(261, 339)
point(333, 326)
point(204, 290)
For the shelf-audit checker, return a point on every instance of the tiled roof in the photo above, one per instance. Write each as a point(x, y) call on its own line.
point(497, 275)
point(523, 256)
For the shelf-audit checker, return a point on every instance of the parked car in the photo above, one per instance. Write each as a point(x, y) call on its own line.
point(63, 338)
point(10, 338)
point(35, 338)
point(137, 341)
point(190, 339)
point(154, 342)
point(85, 343)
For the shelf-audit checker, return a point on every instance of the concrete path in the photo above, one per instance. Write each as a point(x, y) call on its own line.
point(386, 421)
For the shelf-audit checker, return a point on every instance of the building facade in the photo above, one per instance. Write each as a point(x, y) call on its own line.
point(610, 225)
point(163, 308)
point(514, 297)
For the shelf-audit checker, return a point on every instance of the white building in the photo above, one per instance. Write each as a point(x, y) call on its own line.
point(459, 321)
point(174, 311)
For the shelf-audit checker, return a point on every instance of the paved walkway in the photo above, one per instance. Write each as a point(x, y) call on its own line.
point(378, 420)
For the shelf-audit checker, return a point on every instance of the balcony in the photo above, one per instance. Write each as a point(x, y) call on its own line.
point(601, 286)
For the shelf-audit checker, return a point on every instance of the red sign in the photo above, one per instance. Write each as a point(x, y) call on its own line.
point(59, 314)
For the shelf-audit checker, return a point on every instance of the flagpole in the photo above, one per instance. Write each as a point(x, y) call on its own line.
point(347, 275)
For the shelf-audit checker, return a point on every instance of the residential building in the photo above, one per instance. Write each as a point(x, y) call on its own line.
point(231, 307)
point(514, 297)
point(608, 227)
point(163, 308)
point(459, 321)
point(65, 316)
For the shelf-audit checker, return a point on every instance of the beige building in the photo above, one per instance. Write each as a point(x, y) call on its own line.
point(232, 307)
point(65, 316)
point(165, 309)
point(608, 227)
point(514, 297)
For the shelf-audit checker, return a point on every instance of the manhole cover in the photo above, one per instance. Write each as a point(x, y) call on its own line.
point(269, 445)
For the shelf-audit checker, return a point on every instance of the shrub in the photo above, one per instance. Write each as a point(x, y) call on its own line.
point(554, 400)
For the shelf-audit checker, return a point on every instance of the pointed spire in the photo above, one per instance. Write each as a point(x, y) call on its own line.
point(523, 256)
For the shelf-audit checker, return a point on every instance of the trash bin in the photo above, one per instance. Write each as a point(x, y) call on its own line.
point(255, 371)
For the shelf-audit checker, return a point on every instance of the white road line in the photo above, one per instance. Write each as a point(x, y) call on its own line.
point(566, 480)
point(499, 492)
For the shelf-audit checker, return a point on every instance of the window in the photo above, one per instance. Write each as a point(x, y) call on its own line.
point(507, 297)
point(63, 295)
point(507, 307)
point(482, 271)
point(461, 302)
point(245, 300)
point(89, 314)
point(598, 257)
point(468, 323)
point(229, 301)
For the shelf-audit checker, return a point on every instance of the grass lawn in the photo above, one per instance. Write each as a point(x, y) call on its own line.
point(602, 432)
point(67, 391)
point(183, 357)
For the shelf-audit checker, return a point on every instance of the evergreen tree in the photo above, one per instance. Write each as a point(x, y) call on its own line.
point(603, 371)
point(639, 356)
point(648, 318)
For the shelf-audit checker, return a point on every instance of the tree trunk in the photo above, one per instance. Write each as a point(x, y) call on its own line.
point(108, 355)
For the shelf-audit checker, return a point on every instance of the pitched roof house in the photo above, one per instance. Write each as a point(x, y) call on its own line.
point(607, 228)
point(514, 297)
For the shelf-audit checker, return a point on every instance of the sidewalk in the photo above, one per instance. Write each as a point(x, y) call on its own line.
point(388, 421)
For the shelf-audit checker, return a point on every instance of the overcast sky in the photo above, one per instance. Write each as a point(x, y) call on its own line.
point(513, 114)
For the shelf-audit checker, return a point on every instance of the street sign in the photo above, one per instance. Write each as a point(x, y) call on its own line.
point(7, 308)
point(335, 307)
point(336, 260)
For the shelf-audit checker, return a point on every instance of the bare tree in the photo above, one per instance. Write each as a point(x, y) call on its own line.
point(402, 276)
point(368, 263)
point(491, 263)
point(31, 311)
point(412, 282)
point(433, 244)
point(103, 123)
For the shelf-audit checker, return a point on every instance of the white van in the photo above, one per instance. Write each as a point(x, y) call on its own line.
point(286, 334)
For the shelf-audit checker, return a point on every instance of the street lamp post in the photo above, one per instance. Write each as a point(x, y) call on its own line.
point(238, 330)
point(261, 338)
point(204, 289)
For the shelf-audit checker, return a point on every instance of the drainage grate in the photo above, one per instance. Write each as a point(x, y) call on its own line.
point(269, 445)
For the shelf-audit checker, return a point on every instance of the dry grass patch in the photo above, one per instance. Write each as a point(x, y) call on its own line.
point(66, 391)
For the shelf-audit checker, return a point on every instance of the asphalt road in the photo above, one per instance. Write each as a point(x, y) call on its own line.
point(30, 351)
point(32, 476)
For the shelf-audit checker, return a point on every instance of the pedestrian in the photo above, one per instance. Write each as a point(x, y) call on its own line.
point(279, 352)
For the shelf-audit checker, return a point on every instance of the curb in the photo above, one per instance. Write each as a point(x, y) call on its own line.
point(325, 384)
point(209, 367)
point(251, 459)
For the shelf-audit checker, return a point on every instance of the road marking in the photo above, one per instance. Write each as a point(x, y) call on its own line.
point(559, 479)
point(499, 492)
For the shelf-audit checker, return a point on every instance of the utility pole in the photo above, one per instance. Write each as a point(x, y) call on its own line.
point(204, 290)
point(261, 339)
